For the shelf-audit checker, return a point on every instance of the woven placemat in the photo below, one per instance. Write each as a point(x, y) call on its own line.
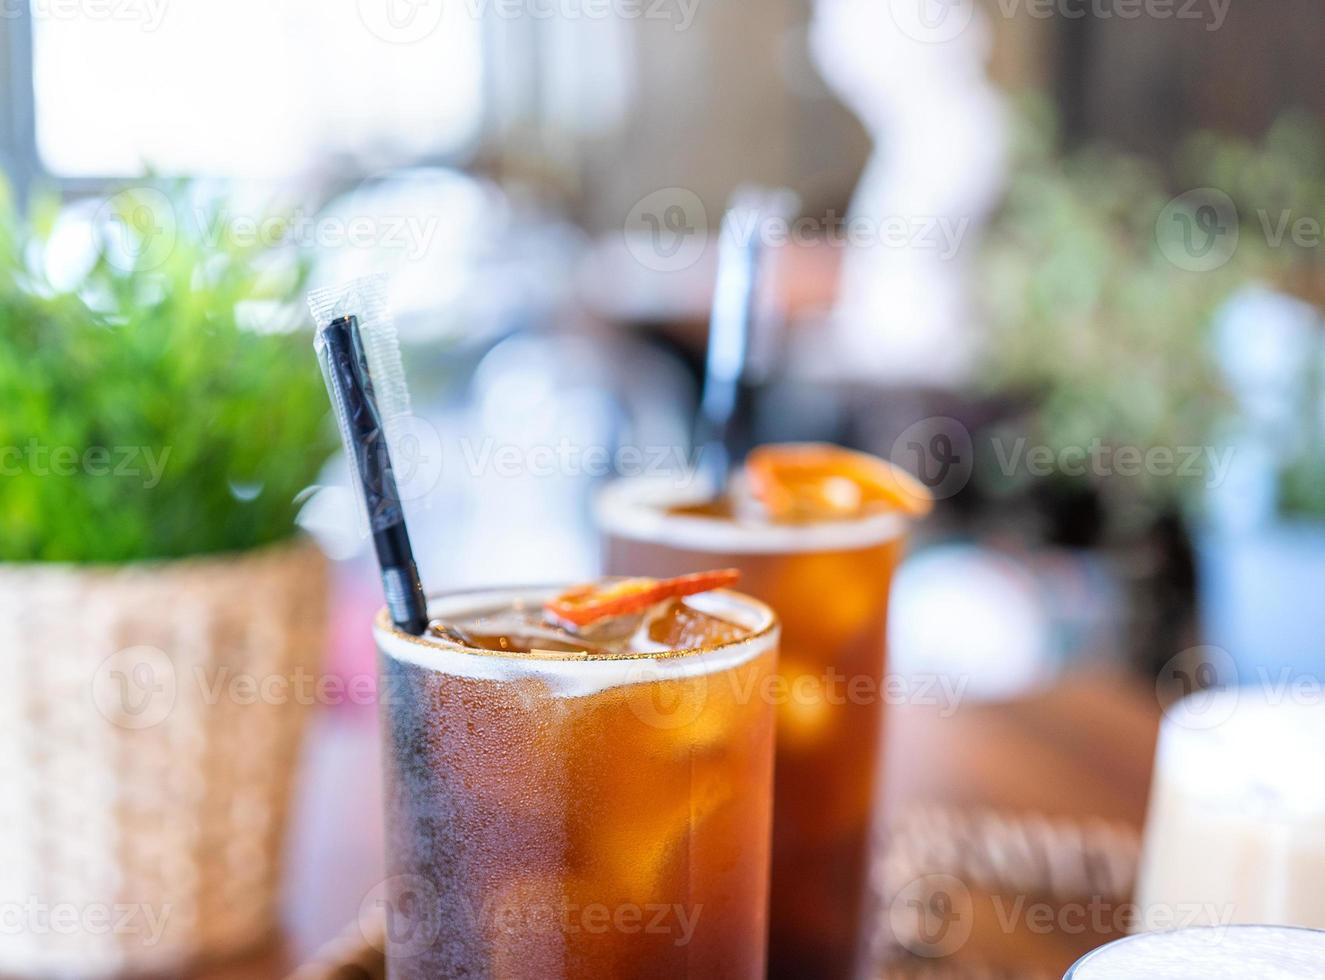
point(1054, 859)
point(983, 870)
point(1022, 853)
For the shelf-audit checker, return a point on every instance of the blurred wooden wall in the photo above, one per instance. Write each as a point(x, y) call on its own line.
point(1141, 83)
point(731, 98)
point(734, 96)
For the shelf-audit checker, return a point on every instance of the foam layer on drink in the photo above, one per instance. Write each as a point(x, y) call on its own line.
point(683, 513)
point(1215, 953)
point(1248, 749)
point(503, 636)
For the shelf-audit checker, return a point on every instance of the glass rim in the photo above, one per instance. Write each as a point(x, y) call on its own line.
point(631, 508)
point(1104, 950)
point(768, 625)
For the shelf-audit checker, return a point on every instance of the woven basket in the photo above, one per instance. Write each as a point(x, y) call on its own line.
point(150, 717)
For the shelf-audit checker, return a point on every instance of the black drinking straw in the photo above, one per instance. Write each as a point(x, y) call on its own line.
point(731, 325)
point(348, 372)
point(729, 342)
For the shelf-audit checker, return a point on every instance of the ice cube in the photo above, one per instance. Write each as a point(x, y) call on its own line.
point(679, 626)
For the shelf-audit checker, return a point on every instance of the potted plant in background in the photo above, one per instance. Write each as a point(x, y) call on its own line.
point(1101, 347)
point(1262, 549)
point(158, 614)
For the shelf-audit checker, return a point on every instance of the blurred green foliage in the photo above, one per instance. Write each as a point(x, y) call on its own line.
point(159, 402)
point(1095, 325)
point(1277, 184)
point(1302, 463)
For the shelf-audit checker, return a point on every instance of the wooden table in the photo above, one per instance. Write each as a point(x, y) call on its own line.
point(1082, 749)
point(1077, 757)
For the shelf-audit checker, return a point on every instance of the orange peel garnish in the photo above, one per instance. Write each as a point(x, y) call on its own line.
point(587, 604)
point(807, 481)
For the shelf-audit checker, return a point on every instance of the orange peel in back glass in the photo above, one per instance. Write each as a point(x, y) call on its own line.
point(587, 604)
point(816, 481)
point(818, 533)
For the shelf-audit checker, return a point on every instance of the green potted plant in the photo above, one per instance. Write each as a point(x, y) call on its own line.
point(161, 417)
point(1100, 333)
point(1263, 549)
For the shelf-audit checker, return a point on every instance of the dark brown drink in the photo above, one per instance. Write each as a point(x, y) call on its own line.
point(829, 582)
point(576, 805)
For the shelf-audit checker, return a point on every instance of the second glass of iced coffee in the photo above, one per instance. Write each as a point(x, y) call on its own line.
point(817, 533)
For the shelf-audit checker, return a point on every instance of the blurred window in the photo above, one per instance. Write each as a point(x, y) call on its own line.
point(250, 87)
